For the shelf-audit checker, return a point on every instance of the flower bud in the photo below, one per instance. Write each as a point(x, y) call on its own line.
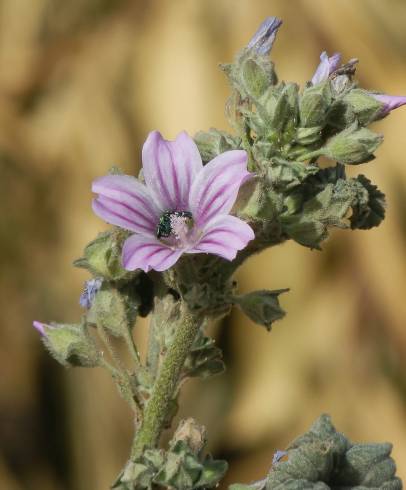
point(308, 136)
point(352, 146)
point(69, 344)
point(366, 107)
point(314, 104)
point(102, 256)
point(113, 311)
point(390, 102)
point(214, 142)
point(89, 292)
point(262, 41)
point(327, 66)
point(262, 306)
point(255, 78)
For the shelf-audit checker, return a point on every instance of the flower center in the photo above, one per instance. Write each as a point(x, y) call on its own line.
point(175, 227)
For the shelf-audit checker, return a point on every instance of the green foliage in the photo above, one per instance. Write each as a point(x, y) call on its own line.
point(353, 145)
point(182, 467)
point(262, 307)
point(113, 311)
point(102, 256)
point(325, 459)
point(214, 142)
point(205, 358)
point(71, 345)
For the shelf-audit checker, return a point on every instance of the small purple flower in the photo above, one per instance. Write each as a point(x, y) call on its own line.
point(326, 67)
point(183, 208)
point(90, 290)
point(41, 327)
point(262, 41)
point(390, 102)
point(278, 455)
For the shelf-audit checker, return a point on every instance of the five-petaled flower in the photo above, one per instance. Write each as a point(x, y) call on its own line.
point(182, 208)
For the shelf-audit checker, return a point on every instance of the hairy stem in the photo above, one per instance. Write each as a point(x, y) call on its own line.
point(156, 410)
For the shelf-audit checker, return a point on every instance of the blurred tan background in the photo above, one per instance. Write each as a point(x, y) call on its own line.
point(81, 84)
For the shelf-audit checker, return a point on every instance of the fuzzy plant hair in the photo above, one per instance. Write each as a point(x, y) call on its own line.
point(200, 207)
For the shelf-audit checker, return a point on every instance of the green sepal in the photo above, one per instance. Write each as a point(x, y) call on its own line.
point(71, 345)
point(286, 175)
point(353, 145)
point(255, 78)
point(262, 306)
point(309, 226)
point(102, 256)
point(365, 107)
point(308, 136)
point(214, 142)
point(113, 311)
point(314, 104)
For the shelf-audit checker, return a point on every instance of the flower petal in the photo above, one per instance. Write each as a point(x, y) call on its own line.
point(169, 169)
point(390, 102)
point(224, 236)
point(326, 67)
point(216, 186)
point(39, 326)
point(124, 201)
point(140, 252)
point(262, 41)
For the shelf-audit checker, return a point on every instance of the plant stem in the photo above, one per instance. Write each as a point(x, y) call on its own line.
point(166, 384)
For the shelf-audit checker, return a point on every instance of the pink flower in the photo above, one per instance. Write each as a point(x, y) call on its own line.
point(183, 208)
point(326, 67)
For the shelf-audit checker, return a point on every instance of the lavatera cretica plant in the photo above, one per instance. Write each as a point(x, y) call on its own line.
point(199, 208)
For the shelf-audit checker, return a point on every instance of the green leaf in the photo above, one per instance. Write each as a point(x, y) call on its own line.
point(285, 175)
point(262, 306)
point(369, 206)
point(309, 226)
point(205, 358)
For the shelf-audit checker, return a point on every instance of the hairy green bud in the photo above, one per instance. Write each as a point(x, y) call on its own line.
point(314, 104)
point(71, 345)
point(365, 107)
point(113, 311)
point(352, 146)
point(214, 142)
point(102, 256)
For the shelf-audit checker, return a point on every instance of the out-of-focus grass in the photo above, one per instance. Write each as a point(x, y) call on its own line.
point(81, 84)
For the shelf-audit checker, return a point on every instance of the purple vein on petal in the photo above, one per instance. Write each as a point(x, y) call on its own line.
point(115, 218)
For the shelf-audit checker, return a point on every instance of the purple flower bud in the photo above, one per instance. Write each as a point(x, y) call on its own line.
point(326, 67)
point(390, 102)
point(263, 39)
point(278, 456)
point(89, 292)
point(41, 327)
